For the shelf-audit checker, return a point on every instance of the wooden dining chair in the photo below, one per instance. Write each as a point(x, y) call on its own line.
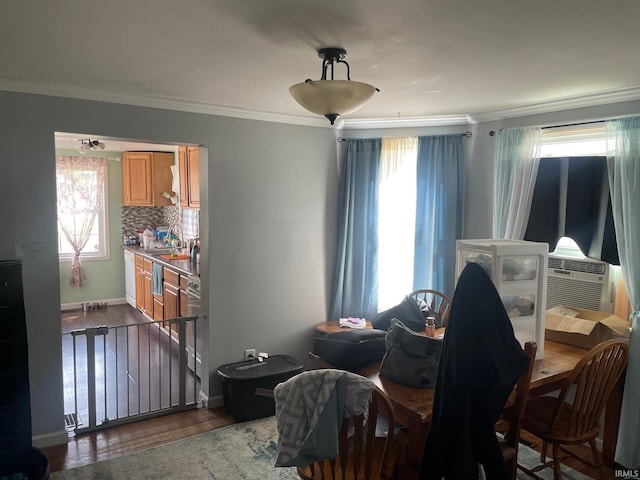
point(510, 422)
point(437, 301)
point(362, 454)
point(559, 421)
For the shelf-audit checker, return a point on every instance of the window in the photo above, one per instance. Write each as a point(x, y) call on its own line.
point(571, 194)
point(82, 207)
point(574, 141)
point(397, 219)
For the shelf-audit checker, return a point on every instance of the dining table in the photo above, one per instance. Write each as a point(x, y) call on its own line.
point(413, 405)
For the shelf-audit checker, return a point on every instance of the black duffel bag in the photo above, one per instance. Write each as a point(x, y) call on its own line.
point(351, 350)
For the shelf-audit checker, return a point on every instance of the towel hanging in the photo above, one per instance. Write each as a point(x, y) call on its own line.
point(156, 286)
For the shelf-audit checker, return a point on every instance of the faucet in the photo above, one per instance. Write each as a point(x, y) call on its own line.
point(178, 231)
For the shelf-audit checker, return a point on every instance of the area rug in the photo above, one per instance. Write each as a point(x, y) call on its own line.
point(244, 451)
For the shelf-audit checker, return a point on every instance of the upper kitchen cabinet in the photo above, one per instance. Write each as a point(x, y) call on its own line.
point(189, 160)
point(145, 177)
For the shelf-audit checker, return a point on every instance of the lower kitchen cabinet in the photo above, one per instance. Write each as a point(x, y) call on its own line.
point(139, 279)
point(173, 302)
point(144, 279)
point(158, 307)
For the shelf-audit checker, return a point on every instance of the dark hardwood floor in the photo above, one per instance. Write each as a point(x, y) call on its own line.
point(116, 441)
point(136, 366)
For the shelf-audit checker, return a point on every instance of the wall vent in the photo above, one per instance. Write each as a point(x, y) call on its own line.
point(582, 283)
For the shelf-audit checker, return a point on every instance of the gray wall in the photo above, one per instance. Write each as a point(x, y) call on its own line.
point(268, 215)
point(268, 221)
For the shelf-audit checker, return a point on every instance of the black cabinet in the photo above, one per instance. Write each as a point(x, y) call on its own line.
point(17, 456)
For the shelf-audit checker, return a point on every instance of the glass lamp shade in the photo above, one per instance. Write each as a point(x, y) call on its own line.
point(331, 98)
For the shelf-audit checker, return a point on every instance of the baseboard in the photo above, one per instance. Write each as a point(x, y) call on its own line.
point(78, 305)
point(211, 402)
point(50, 439)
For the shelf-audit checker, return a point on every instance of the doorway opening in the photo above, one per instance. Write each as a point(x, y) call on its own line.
point(101, 319)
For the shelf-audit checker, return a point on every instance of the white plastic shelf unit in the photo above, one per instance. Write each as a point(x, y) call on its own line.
point(518, 270)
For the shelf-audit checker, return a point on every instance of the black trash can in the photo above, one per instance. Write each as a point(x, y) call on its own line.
point(248, 386)
point(26, 463)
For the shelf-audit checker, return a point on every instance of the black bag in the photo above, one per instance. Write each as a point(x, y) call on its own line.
point(410, 359)
point(407, 311)
point(352, 349)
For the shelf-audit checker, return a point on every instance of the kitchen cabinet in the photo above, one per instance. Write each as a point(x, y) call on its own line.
point(144, 280)
point(139, 281)
point(518, 269)
point(145, 177)
point(189, 168)
point(158, 307)
point(173, 302)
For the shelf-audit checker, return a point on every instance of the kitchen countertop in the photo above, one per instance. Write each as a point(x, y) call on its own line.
point(186, 266)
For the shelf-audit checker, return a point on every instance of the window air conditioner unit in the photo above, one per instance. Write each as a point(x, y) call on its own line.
point(579, 282)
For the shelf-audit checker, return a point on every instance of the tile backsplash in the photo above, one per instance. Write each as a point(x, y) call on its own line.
point(135, 219)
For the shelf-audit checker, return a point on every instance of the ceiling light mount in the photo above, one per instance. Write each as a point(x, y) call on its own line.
point(87, 144)
point(329, 97)
point(330, 56)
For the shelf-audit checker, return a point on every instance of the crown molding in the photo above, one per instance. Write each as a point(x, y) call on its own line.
point(434, 121)
point(583, 101)
point(158, 102)
point(591, 100)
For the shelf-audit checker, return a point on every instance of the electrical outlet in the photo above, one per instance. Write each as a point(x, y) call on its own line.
point(249, 353)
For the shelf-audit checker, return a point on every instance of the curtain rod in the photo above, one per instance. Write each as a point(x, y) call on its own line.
point(342, 139)
point(493, 132)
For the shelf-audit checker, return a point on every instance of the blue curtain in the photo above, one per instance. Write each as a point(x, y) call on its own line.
point(440, 177)
point(623, 159)
point(355, 283)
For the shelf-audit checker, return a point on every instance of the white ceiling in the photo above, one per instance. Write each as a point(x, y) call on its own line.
point(430, 58)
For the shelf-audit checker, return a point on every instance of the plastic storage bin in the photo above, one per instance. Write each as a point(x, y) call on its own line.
point(518, 269)
point(248, 386)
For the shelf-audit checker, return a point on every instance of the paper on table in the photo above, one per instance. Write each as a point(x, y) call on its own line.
point(352, 322)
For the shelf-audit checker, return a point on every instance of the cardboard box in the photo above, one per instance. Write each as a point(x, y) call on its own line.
point(583, 328)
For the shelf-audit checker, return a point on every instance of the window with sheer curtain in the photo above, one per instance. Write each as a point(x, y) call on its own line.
point(82, 226)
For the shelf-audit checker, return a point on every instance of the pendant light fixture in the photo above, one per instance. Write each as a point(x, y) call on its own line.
point(329, 97)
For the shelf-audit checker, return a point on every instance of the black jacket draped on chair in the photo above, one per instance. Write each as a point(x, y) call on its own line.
point(480, 364)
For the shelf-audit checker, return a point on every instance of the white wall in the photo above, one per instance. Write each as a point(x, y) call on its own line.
point(269, 194)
